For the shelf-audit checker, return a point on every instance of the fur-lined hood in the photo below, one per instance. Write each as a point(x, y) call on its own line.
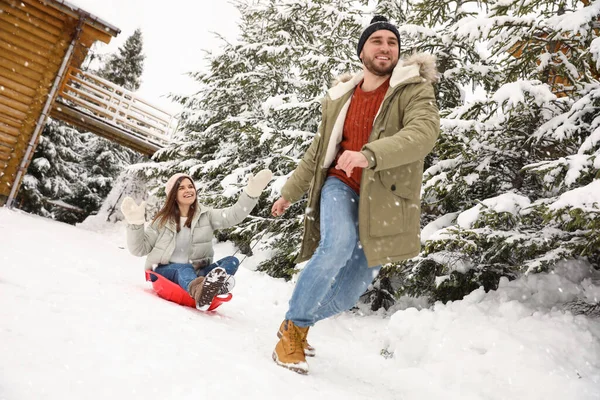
point(419, 64)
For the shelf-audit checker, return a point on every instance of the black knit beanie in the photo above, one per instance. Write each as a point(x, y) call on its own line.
point(377, 23)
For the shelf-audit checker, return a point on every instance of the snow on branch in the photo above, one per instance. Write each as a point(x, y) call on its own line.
point(416, 31)
point(507, 202)
point(511, 94)
point(586, 198)
point(572, 166)
point(595, 51)
point(578, 22)
point(567, 124)
point(474, 28)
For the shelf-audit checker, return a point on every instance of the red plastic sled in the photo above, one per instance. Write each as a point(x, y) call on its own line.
point(175, 293)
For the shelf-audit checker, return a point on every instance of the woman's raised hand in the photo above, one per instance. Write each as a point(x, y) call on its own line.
point(256, 184)
point(134, 214)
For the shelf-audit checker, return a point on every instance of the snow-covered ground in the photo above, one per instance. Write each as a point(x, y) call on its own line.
point(78, 321)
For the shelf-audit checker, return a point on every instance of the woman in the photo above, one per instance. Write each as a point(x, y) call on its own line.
point(178, 242)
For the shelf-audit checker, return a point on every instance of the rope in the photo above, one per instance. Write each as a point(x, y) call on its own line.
point(251, 248)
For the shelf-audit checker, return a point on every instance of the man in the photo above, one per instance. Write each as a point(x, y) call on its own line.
point(363, 172)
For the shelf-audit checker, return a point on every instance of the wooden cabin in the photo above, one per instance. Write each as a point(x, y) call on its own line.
point(42, 46)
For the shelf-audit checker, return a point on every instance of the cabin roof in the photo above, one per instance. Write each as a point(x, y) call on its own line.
point(91, 19)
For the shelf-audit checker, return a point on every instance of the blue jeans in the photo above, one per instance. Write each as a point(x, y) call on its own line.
point(184, 274)
point(337, 273)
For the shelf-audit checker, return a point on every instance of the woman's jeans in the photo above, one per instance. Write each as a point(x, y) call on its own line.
point(338, 272)
point(184, 274)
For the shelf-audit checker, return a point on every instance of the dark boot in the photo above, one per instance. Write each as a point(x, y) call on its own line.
point(212, 284)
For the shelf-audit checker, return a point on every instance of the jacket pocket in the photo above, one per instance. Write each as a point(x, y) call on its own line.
point(394, 206)
point(404, 181)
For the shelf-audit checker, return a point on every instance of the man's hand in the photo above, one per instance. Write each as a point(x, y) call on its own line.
point(350, 160)
point(280, 206)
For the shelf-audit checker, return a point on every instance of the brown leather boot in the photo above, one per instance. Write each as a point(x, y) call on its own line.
point(309, 351)
point(195, 289)
point(289, 352)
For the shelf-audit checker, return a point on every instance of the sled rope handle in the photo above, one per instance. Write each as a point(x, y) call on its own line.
point(251, 248)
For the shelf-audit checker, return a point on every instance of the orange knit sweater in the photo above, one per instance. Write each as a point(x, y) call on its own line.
point(357, 129)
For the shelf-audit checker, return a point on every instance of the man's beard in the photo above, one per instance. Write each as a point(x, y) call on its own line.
point(373, 68)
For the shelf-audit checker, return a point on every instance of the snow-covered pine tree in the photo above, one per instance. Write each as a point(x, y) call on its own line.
point(514, 187)
point(49, 180)
point(101, 164)
point(125, 68)
point(259, 106)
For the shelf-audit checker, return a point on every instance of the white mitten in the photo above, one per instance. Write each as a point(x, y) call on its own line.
point(134, 214)
point(256, 184)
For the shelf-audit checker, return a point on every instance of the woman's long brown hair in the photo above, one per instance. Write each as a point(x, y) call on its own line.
point(170, 211)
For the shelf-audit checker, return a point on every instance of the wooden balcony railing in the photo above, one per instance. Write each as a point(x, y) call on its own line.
point(117, 106)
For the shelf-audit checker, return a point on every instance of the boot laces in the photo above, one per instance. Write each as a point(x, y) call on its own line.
point(294, 336)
